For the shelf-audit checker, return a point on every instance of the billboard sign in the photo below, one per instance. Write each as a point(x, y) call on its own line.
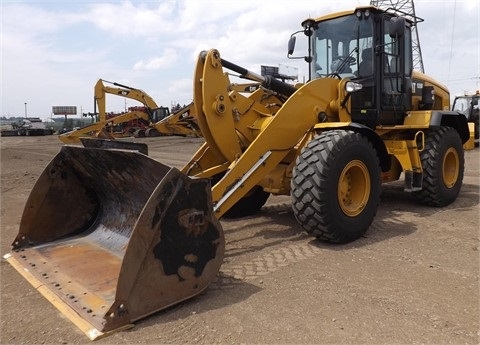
point(64, 110)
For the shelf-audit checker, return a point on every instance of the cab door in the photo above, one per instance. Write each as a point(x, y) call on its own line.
point(396, 71)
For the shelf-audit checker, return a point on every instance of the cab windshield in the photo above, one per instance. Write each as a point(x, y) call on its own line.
point(343, 47)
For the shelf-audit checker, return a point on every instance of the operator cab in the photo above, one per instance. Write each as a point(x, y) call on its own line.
point(159, 114)
point(370, 47)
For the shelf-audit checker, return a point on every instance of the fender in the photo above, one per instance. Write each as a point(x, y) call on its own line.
point(377, 142)
point(451, 119)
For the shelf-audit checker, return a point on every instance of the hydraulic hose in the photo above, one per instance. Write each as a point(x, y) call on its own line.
point(268, 81)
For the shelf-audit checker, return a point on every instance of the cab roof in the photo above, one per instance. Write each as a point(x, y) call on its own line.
point(372, 9)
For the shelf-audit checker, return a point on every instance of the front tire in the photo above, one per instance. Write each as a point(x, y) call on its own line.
point(336, 186)
point(443, 167)
point(250, 204)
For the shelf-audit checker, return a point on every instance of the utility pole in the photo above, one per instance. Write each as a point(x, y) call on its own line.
point(407, 9)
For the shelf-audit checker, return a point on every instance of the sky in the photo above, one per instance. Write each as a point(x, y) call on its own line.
point(54, 51)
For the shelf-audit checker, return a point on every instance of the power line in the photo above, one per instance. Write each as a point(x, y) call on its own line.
point(406, 8)
point(451, 40)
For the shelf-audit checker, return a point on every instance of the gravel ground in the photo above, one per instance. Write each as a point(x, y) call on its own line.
point(412, 279)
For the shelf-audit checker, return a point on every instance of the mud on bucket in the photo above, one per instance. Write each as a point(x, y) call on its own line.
point(110, 236)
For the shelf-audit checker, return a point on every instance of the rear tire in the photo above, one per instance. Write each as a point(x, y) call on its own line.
point(443, 167)
point(336, 186)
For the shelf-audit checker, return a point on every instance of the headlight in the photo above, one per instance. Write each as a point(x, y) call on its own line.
point(351, 86)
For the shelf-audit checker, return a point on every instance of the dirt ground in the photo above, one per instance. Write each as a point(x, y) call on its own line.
point(412, 279)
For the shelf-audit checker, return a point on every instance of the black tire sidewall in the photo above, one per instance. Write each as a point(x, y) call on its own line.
point(438, 142)
point(360, 150)
point(332, 151)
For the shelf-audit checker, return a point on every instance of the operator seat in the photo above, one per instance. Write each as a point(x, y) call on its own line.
point(365, 68)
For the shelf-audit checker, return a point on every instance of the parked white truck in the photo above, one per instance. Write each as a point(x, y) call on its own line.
point(32, 126)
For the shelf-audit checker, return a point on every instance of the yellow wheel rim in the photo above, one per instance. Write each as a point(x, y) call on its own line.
point(354, 188)
point(450, 167)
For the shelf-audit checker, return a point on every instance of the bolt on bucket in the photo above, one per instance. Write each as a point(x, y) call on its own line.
point(111, 236)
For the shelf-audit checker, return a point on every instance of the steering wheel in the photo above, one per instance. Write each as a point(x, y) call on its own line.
point(340, 64)
point(340, 58)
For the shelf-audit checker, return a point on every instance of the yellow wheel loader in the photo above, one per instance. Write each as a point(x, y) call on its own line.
point(111, 235)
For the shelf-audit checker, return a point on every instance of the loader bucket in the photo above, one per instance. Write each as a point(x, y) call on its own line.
point(111, 236)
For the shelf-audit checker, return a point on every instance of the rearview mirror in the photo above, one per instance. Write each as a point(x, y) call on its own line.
point(291, 45)
point(397, 27)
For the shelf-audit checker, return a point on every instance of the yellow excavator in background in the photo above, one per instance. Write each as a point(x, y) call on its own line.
point(154, 120)
point(182, 123)
point(152, 232)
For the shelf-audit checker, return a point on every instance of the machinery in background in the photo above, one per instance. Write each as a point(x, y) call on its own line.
point(139, 121)
point(26, 127)
point(468, 106)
